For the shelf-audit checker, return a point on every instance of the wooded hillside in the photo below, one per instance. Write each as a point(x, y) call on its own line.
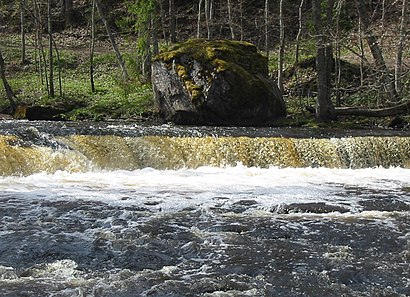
point(328, 55)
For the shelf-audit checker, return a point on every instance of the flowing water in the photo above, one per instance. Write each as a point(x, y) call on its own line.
point(128, 210)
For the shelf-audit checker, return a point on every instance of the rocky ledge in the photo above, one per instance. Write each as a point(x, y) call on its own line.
point(215, 82)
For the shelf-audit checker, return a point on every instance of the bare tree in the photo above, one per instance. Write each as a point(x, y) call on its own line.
point(50, 49)
point(338, 66)
point(66, 11)
point(241, 18)
point(230, 19)
point(281, 46)
point(208, 17)
point(267, 28)
point(172, 22)
point(400, 48)
point(9, 92)
point(114, 45)
point(22, 33)
point(300, 26)
point(198, 30)
point(376, 51)
point(324, 106)
point(92, 46)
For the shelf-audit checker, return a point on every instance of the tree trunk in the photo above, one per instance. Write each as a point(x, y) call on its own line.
point(92, 46)
point(241, 22)
point(50, 50)
point(400, 48)
point(267, 28)
point(208, 18)
point(172, 22)
point(22, 33)
point(198, 29)
point(324, 105)
point(376, 51)
point(9, 92)
point(297, 41)
point(120, 60)
point(281, 46)
point(338, 54)
point(69, 18)
point(401, 109)
point(230, 19)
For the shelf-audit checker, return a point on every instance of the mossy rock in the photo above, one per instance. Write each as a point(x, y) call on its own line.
point(215, 82)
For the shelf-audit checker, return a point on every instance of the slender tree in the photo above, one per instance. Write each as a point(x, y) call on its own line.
point(208, 14)
point(172, 22)
point(92, 46)
point(50, 50)
point(281, 53)
point(9, 91)
point(400, 47)
point(198, 30)
point(376, 51)
point(114, 45)
point(267, 28)
point(22, 33)
point(230, 19)
point(324, 106)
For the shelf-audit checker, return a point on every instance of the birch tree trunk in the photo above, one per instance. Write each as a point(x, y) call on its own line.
point(208, 18)
point(198, 29)
point(230, 19)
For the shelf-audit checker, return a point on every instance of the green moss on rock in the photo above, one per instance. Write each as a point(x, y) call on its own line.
point(218, 81)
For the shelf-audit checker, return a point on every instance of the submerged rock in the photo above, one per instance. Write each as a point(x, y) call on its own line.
point(216, 82)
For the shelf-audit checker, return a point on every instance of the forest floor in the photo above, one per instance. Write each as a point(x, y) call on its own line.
point(115, 99)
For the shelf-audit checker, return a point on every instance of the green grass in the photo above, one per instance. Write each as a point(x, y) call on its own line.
point(113, 99)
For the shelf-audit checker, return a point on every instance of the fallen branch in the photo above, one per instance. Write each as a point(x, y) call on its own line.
point(400, 109)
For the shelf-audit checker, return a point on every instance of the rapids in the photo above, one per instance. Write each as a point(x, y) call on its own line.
point(127, 210)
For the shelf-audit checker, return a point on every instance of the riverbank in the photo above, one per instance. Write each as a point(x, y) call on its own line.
point(114, 99)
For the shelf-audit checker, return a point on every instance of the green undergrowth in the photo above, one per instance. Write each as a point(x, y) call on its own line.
point(113, 98)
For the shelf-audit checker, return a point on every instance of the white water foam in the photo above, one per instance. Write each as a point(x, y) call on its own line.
point(173, 190)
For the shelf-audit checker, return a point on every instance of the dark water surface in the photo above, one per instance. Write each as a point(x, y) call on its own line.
point(207, 232)
point(100, 222)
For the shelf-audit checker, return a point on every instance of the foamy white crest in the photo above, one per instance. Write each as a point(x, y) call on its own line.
point(176, 189)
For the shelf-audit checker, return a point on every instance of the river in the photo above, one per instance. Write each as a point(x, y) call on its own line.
point(131, 210)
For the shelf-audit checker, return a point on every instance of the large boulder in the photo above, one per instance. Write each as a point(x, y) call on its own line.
point(215, 82)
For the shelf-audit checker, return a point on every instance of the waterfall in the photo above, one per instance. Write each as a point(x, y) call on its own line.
point(79, 153)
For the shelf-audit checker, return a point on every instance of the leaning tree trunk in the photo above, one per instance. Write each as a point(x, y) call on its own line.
point(376, 52)
point(9, 92)
point(114, 45)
